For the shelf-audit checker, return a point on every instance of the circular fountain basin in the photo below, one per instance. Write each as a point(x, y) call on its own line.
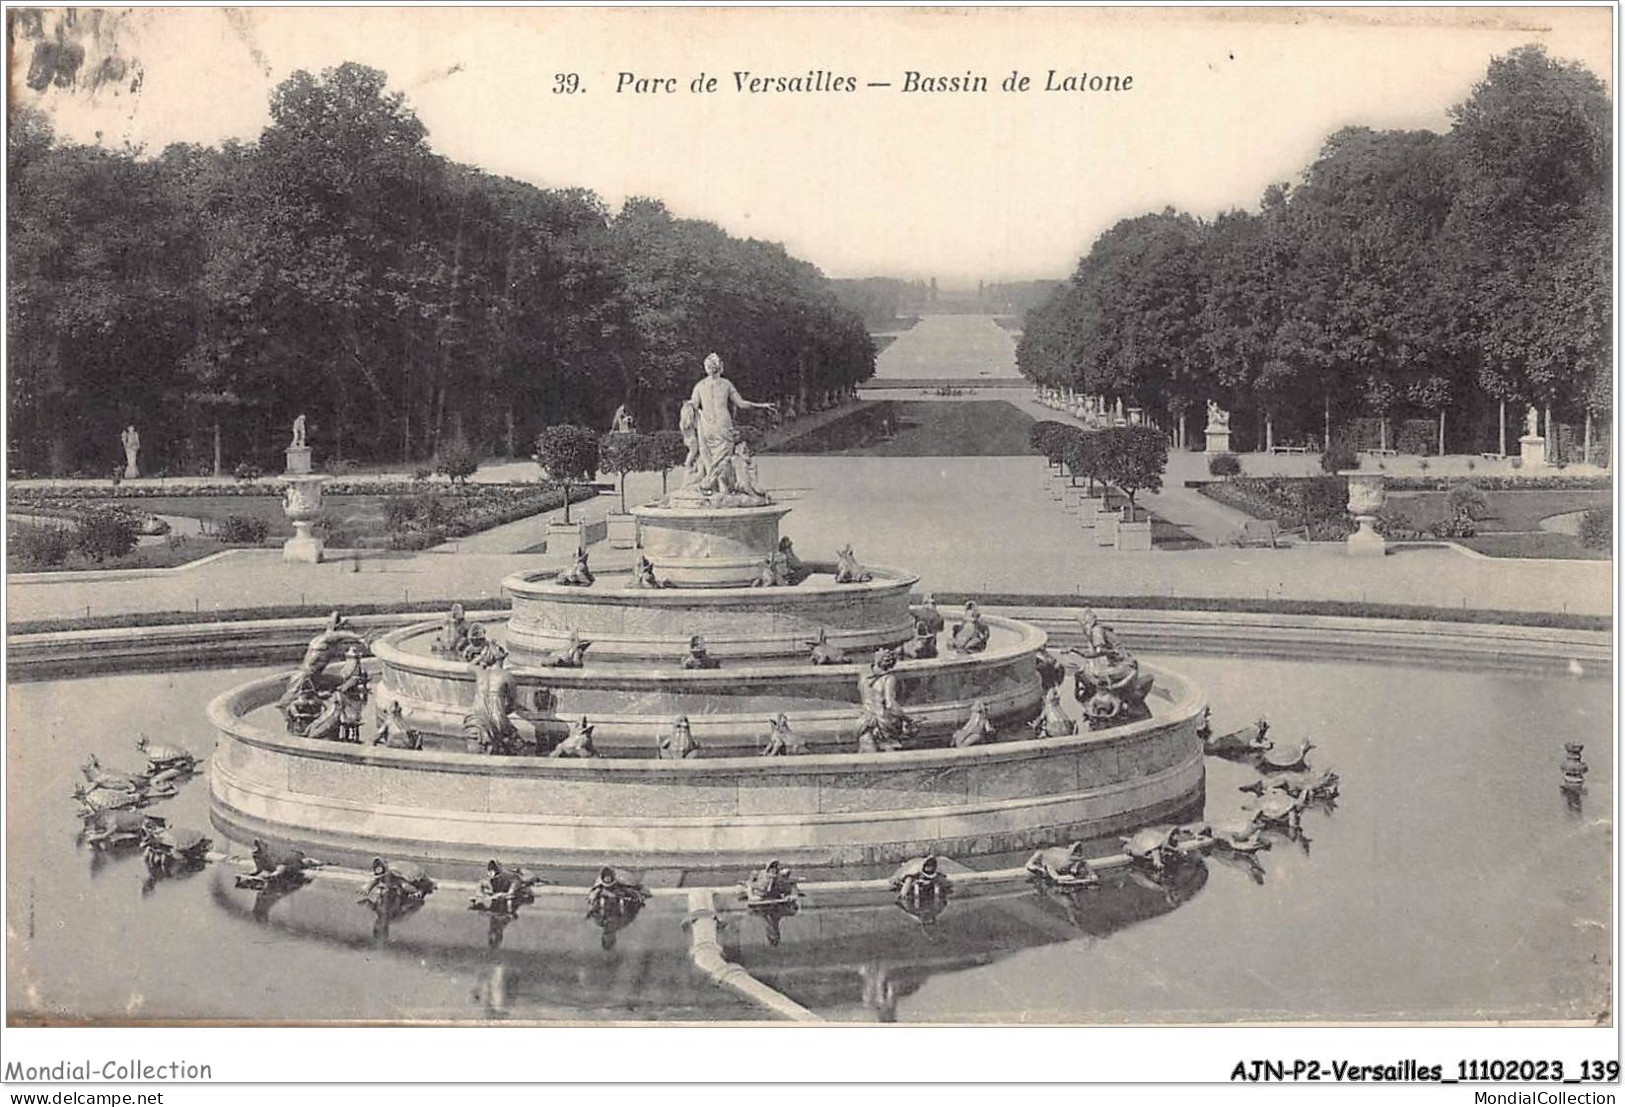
point(451, 811)
point(654, 624)
point(709, 547)
point(728, 707)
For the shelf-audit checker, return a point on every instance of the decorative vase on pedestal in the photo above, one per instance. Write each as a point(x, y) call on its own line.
point(1366, 497)
point(302, 502)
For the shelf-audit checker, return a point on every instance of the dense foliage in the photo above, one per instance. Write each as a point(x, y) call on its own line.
point(1597, 528)
point(1406, 274)
point(1133, 459)
point(569, 455)
point(339, 268)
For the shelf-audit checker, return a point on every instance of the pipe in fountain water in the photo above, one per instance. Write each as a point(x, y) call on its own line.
point(705, 951)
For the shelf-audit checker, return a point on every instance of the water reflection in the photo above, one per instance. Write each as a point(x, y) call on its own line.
point(1398, 865)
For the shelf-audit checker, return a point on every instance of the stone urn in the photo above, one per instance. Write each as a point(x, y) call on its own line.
point(302, 503)
point(1367, 494)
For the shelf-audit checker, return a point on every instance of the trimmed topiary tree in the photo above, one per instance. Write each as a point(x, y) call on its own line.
point(667, 450)
point(623, 452)
point(1081, 454)
point(1134, 459)
point(1339, 456)
point(457, 461)
point(1224, 465)
point(1049, 437)
point(568, 454)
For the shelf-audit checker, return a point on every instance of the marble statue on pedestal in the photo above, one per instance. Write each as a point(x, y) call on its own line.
point(298, 442)
point(707, 423)
point(131, 441)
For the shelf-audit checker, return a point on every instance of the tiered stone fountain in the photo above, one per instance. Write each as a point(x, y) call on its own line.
point(727, 806)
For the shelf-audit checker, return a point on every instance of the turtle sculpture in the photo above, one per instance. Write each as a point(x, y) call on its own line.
point(977, 729)
point(1287, 757)
point(921, 878)
point(96, 799)
point(1308, 786)
point(1237, 834)
point(1063, 867)
point(823, 653)
point(276, 868)
point(169, 847)
point(117, 829)
point(1239, 744)
point(505, 888)
point(106, 778)
point(770, 886)
point(396, 884)
point(1052, 721)
point(164, 758)
point(1158, 847)
point(1278, 809)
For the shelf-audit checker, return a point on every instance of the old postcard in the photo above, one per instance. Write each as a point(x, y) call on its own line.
point(1063, 516)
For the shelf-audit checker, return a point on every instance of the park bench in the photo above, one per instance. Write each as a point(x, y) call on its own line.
point(1383, 453)
point(1289, 449)
point(1490, 455)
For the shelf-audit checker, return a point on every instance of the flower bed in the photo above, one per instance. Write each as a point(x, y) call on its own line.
point(270, 486)
point(400, 516)
point(1500, 484)
point(1317, 504)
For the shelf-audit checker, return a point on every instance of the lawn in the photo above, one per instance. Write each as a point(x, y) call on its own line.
point(925, 428)
point(163, 554)
point(1539, 543)
point(1509, 512)
point(354, 514)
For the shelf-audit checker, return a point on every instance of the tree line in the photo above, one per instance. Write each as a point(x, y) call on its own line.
point(1407, 275)
point(338, 268)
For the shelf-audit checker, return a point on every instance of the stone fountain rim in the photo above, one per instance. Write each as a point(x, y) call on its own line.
point(657, 511)
point(1031, 639)
point(226, 711)
point(533, 584)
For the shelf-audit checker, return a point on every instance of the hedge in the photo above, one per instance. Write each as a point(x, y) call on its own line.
point(1597, 528)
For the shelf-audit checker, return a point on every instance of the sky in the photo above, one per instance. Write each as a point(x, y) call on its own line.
point(879, 181)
